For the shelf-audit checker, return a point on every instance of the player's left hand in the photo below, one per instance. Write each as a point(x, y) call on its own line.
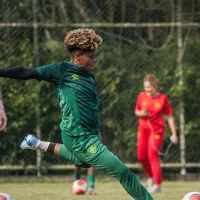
point(174, 139)
point(3, 117)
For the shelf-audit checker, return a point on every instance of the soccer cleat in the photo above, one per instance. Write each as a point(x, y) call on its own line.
point(155, 189)
point(91, 191)
point(29, 142)
point(149, 183)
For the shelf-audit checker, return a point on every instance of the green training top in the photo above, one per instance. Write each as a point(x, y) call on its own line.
point(76, 91)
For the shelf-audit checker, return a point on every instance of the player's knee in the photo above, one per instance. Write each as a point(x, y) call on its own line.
point(123, 173)
point(153, 159)
point(122, 170)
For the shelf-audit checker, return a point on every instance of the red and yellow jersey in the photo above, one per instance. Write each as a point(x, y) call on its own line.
point(157, 107)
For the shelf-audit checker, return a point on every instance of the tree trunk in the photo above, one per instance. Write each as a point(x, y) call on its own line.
point(180, 68)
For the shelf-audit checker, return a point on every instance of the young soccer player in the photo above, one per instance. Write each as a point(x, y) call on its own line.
point(76, 92)
point(3, 117)
point(151, 106)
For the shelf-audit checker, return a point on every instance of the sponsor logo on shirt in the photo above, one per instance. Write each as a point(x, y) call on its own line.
point(75, 77)
point(92, 148)
point(157, 137)
point(157, 105)
point(144, 103)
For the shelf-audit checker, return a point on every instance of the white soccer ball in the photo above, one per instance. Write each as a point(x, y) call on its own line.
point(192, 196)
point(4, 196)
point(79, 187)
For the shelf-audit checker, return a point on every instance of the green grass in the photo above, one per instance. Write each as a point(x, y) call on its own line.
point(105, 191)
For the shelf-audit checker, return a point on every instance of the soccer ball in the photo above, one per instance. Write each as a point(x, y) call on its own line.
point(192, 196)
point(79, 187)
point(4, 196)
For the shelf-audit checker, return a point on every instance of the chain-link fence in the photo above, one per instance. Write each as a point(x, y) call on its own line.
point(140, 37)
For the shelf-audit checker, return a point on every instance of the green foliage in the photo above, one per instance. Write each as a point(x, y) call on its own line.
point(126, 56)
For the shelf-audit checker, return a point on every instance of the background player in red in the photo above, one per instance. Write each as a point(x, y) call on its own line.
point(151, 106)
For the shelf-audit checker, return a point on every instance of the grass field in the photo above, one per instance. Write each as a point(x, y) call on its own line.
point(105, 191)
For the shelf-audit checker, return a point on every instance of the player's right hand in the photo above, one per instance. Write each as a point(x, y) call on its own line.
point(144, 113)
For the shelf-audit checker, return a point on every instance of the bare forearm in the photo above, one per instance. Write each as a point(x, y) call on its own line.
point(172, 125)
point(3, 117)
point(1, 99)
point(2, 109)
point(141, 113)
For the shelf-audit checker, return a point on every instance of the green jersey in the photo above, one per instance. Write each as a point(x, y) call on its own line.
point(76, 92)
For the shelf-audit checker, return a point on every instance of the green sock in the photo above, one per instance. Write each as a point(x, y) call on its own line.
point(77, 175)
point(91, 180)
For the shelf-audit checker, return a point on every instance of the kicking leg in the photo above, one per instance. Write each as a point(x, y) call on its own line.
point(97, 155)
point(31, 142)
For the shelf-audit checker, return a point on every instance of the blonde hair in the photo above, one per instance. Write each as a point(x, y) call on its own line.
point(152, 79)
point(82, 39)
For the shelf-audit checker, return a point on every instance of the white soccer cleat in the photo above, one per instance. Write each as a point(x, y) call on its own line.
point(91, 191)
point(149, 183)
point(155, 189)
point(29, 142)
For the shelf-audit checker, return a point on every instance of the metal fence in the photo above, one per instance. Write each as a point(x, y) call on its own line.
point(140, 37)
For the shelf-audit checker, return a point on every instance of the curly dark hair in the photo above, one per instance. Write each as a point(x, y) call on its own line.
point(82, 39)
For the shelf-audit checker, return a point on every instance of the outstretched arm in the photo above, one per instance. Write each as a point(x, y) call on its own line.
point(19, 73)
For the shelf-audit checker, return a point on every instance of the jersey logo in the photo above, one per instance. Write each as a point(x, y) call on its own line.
point(144, 103)
point(157, 137)
point(92, 148)
point(75, 77)
point(157, 105)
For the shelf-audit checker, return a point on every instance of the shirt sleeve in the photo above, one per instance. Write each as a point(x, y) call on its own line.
point(18, 73)
point(50, 73)
point(167, 107)
point(138, 103)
